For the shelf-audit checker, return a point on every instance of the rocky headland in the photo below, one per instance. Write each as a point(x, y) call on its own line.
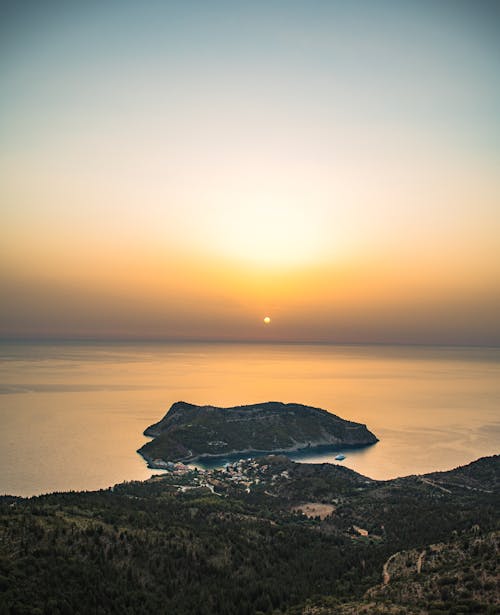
point(189, 432)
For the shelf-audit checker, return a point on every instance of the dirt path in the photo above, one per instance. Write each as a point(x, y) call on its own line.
point(211, 487)
point(420, 561)
point(386, 577)
point(385, 570)
point(432, 484)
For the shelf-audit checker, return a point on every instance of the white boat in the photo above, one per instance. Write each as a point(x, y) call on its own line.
point(340, 457)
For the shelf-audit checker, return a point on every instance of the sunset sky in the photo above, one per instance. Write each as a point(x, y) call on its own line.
point(182, 169)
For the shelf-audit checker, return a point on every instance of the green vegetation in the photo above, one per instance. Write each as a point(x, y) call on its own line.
point(189, 431)
point(226, 542)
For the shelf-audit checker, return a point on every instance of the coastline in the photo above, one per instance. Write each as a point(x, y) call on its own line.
point(437, 437)
point(239, 454)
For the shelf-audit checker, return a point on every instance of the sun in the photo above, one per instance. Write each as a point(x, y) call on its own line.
point(267, 320)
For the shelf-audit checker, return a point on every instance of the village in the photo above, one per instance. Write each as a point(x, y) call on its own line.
point(244, 473)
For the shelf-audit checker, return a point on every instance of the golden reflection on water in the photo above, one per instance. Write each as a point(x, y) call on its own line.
point(73, 414)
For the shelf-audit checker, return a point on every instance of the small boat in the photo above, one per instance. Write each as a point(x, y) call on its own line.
point(340, 457)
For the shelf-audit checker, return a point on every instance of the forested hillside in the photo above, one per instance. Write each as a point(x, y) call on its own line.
point(238, 541)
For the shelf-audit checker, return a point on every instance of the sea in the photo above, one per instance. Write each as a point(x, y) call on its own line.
point(73, 414)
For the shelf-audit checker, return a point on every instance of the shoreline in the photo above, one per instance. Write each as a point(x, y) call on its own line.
point(111, 488)
point(235, 454)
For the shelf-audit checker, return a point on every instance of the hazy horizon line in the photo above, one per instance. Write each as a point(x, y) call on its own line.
point(180, 340)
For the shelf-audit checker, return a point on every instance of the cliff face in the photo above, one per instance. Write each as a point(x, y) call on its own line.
point(188, 431)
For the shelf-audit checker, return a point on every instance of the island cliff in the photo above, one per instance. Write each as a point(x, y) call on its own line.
point(188, 432)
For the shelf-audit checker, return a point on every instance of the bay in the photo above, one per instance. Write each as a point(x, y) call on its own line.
point(72, 414)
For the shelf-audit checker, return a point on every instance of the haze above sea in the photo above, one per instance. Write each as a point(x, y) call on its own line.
point(72, 414)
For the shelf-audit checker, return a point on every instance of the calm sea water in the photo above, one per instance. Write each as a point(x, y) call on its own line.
point(72, 415)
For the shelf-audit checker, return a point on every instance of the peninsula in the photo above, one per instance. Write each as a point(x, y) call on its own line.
point(189, 432)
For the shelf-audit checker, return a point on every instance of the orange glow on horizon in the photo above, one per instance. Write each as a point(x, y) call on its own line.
point(334, 170)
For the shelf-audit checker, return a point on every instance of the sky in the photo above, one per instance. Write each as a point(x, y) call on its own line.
point(182, 169)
